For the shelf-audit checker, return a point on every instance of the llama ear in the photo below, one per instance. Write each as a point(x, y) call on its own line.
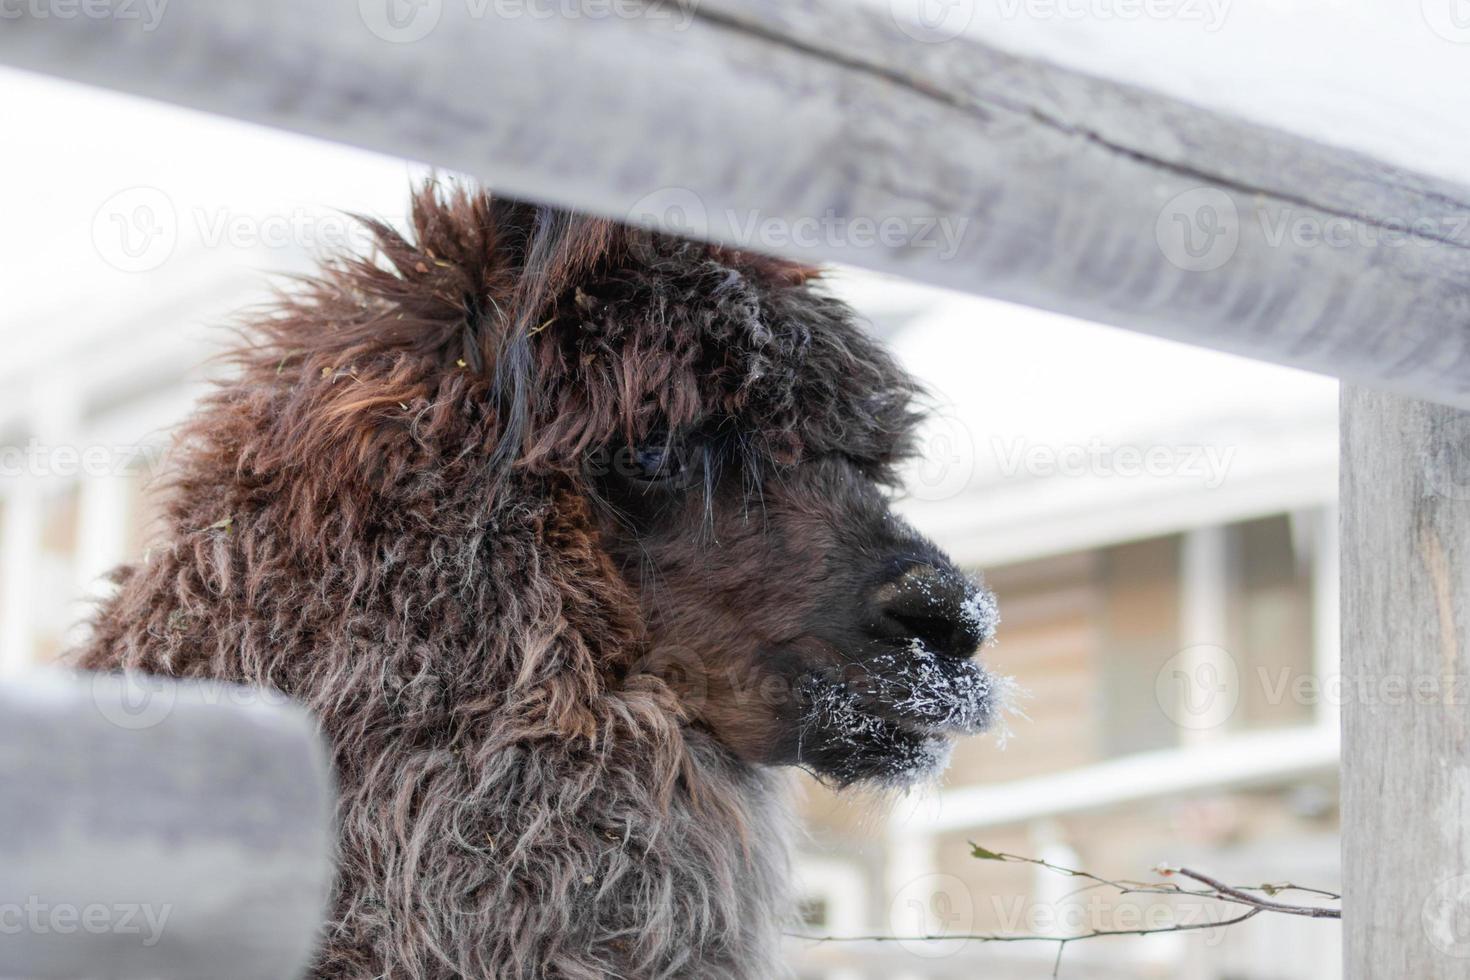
point(767, 268)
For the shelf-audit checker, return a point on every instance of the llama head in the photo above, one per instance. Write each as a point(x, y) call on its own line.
point(744, 491)
point(728, 433)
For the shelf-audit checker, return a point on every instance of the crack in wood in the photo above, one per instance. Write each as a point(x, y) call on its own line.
point(972, 102)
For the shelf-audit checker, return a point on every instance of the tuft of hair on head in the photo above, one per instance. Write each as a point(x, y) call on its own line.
point(557, 249)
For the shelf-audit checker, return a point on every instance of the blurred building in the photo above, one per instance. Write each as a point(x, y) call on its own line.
point(1157, 521)
point(1159, 525)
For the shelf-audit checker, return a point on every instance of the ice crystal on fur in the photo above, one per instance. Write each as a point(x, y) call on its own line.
point(904, 709)
point(982, 611)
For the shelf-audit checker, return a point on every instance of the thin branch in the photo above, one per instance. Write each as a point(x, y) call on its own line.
point(1061, 941)
point(1213, 890)
point(1276, 888)
point(998, 937)
point(1244, 897)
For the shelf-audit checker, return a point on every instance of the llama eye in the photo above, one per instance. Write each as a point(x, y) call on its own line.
point(659, 459)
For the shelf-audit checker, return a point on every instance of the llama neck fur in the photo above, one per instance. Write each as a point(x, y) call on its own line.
point(506, 810)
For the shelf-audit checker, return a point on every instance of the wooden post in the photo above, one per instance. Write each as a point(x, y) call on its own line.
point(1405, 643)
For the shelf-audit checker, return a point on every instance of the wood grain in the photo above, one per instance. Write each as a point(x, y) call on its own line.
point(821, 129)
point(1406, 712)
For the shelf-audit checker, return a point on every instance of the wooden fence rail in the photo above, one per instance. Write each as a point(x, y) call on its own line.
point(823, 130)
point(159, 829)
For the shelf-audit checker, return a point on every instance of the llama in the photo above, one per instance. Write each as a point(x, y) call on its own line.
point(570, 537)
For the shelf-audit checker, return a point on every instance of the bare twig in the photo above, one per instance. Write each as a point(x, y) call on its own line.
point(1213, 890)
point(999, 937)
point(1244, 897)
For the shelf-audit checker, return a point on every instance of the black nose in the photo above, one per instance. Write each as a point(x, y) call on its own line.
point(939, 607)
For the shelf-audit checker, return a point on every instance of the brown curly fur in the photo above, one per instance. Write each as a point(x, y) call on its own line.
point(390, 515)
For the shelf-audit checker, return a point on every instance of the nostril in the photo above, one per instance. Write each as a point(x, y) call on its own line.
point(944, 636)
point(935, 606)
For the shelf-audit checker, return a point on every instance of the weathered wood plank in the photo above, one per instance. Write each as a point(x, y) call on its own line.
point(1406, 711)
point(155, 829)
point(823, 130)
